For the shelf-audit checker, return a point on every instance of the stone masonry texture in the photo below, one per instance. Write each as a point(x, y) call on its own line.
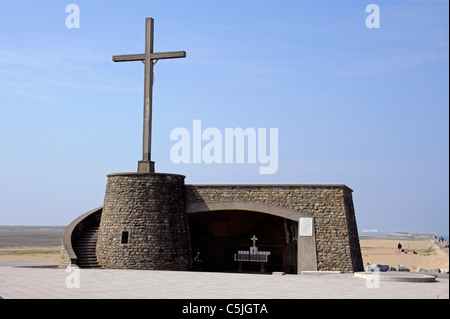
point(337, 241)
point(151, 208)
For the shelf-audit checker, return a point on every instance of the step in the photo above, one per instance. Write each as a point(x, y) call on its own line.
point(81, 247)
point(86, 240)
point(87, 261)
point(93, 260)
point(89, 266)
point(87, 237)
point(87, 258)
point(86, 253)
point(85, 248)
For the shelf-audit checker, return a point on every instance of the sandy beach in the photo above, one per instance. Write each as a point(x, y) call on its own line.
point(383, 250)
point(30, 243)
point(40, 254)
point(375, 250)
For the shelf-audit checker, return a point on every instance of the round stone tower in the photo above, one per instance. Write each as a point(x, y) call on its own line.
point(144, 223)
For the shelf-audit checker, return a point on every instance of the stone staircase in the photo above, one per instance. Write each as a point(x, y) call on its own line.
point(84, 247)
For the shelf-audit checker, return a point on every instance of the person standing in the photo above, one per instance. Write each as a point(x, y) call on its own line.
point(399, 248)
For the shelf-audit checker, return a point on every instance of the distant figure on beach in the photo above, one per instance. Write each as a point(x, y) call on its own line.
point(399, 248)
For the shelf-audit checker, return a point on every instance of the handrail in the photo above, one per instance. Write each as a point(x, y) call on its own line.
point(67, 236)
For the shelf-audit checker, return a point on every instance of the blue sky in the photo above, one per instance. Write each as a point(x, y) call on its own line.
point(357, 106)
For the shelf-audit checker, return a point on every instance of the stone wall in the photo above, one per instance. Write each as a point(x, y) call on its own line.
point(331, 206)
point(151, 209)
point(64, 259)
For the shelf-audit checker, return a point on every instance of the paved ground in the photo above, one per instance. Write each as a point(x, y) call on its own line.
point(18, 282)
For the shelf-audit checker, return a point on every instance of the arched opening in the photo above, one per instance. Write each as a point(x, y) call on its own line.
point(220, 238)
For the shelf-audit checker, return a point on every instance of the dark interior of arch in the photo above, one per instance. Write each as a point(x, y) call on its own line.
point(218, 235)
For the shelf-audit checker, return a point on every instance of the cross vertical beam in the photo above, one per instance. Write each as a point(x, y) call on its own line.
point(147, 165)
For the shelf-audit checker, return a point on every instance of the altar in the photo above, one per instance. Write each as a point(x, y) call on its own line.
point(252, 255)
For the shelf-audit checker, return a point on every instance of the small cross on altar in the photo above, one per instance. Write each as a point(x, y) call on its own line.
point(149, 58)
point(254, 249)
point(254, 239)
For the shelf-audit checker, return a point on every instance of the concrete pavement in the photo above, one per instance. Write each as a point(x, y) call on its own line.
point(20, 281)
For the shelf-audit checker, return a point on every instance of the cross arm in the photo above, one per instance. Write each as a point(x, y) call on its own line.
point(168, 55)
point(128, 57)
point(153, 56)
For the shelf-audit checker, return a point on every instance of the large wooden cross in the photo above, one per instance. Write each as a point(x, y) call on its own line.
point(148, 58)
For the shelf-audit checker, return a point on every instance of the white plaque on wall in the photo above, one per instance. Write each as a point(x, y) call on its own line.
point(305, 227)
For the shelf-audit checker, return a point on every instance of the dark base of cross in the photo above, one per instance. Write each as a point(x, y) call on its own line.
point(146, 167)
